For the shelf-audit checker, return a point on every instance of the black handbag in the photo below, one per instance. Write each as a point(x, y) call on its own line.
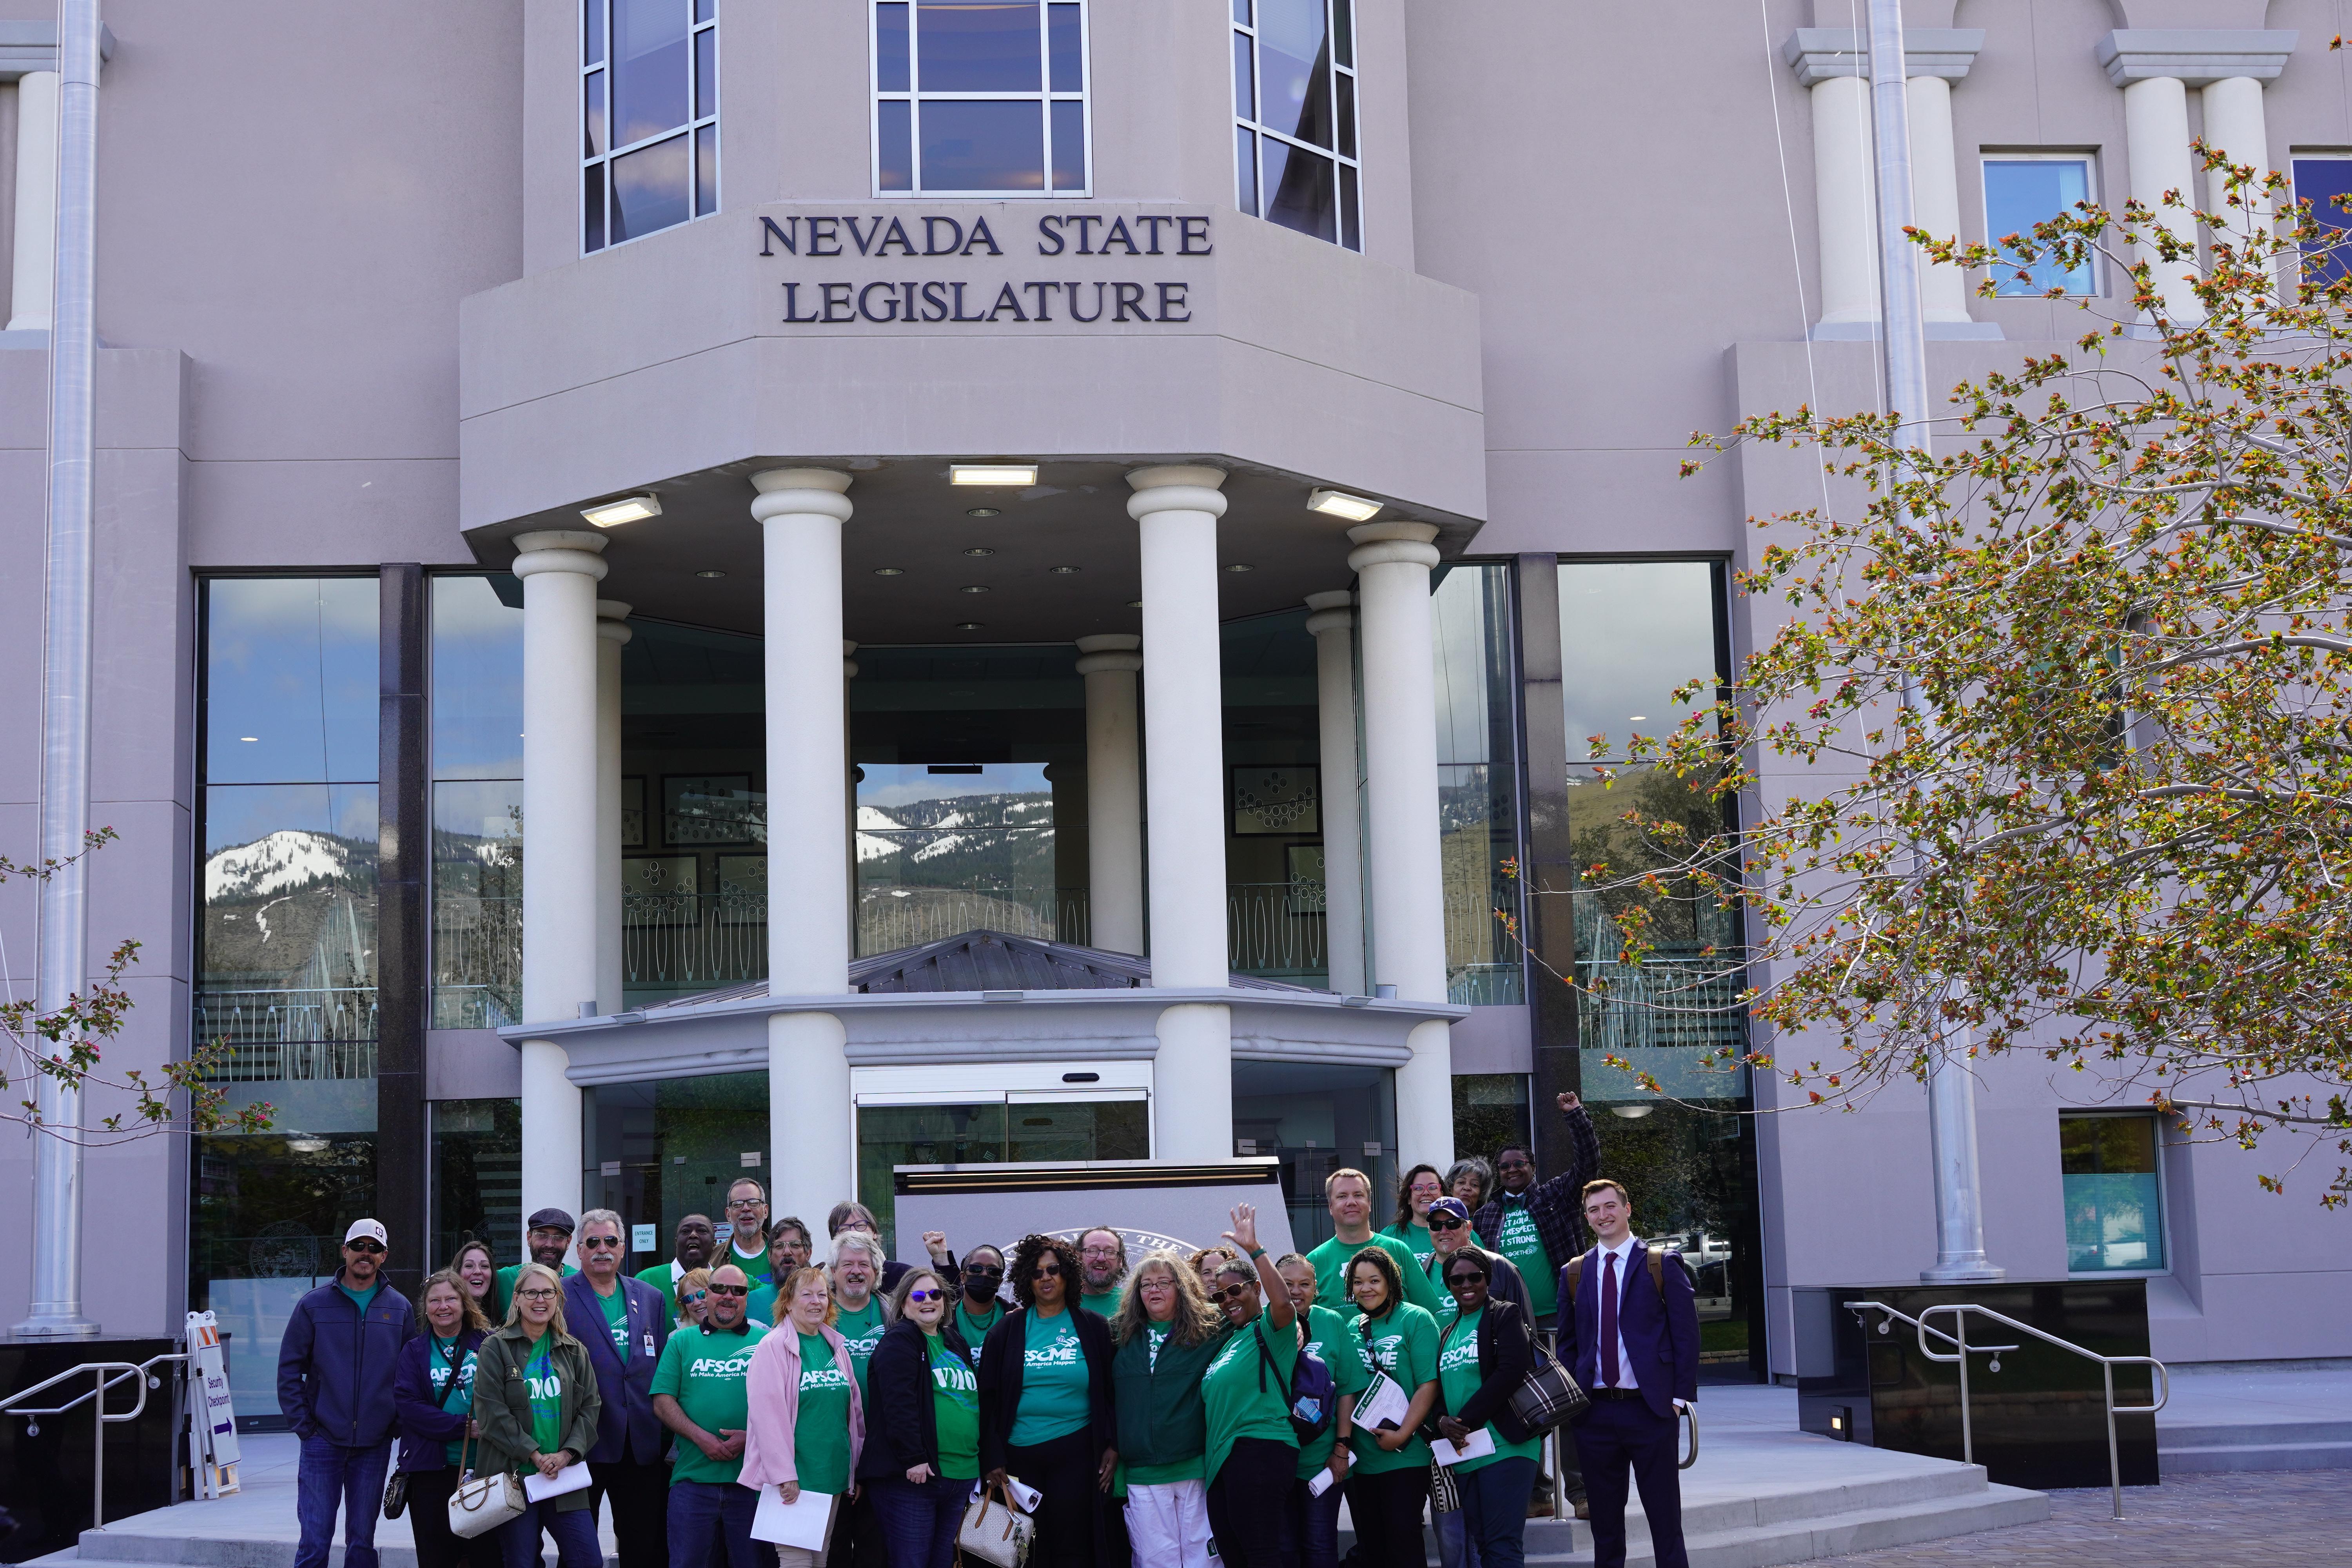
point(1549, 1396)
point(395, 1494)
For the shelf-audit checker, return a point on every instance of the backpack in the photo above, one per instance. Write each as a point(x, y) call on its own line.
point(1314, 1393)
point(1657, 1257)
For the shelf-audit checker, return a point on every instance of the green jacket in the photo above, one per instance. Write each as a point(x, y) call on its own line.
point(503, 1404)
point(1160, 1418)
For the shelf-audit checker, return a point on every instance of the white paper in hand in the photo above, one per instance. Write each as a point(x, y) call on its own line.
point(1382, 1405)
point(572, 1477)
point(1025, 1497)
point(803, 1522)
point(1321, 1483)
point(1479, 1444)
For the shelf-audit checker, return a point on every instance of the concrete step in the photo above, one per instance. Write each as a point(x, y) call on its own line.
point(2213, 1446)
point(1801, 1540)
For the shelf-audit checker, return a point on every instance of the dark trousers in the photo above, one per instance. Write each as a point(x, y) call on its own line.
point(1064, 1471)
point(1315, 1525)
point(1620, 1434)
point(1495, 1510)
point(858, 1538)
point(429, 1520)
point(639, 1493)
point(329, 1476)
point(1386, 1510)
point(575, 1530)
point(1572, 1471)
point(702, 1510)
point(1249, 1510)
point(919, 1522)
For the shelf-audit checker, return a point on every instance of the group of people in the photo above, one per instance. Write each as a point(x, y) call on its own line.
point(1177, 1409)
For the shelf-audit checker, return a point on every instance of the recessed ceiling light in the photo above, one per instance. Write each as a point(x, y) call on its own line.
point(973, 588)
point(1639, 718)
point(984, 511)
point(992, 473)
point(1062, 571)
point(249, 737)
point(980, 549)
point(889, 571)
point(1240, 566)
point(628, 508)
point(710, 572)
point(969, 626)
point(1340, 503)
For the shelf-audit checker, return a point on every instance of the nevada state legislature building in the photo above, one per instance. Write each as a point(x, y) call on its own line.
point(692, 588)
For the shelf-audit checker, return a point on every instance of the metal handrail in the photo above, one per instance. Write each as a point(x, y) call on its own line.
point(1893, 1314)
point(2108, 1364)
point(142, 1371)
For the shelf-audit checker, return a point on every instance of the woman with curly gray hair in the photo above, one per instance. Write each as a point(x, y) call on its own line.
point(1046, 1405)
point(1166, 1332)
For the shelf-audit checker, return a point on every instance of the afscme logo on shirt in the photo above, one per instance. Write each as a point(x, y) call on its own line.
point(733, 1367)
point(1061, 1352)
point(823, 1377)
point(1231, 1350)
point(1459, 1352)
point(954, 1377)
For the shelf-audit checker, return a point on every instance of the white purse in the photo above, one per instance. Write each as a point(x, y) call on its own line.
point(482, 1503)
point(995, 1532)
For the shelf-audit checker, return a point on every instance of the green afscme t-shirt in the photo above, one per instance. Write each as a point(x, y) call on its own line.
point(755, 1266)
point(708, 1373)
point(820, 1434)
point(1053, 1381)
point(955, 1405)
point(1415, 1236)
point(1457, 1383)
point(1330, 1261)
point(1523, 1244)
point(546, 1399)
point(861, 1331)
point(443, 1362)
point(1330, 1340)
point(1402, 1342)
point(1243, 1396)
point(616, 1319)
point(502, 1290)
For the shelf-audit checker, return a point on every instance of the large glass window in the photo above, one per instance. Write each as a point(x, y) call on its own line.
point(648, 117)
point(980, 98)
point(1477, 778)
point(476, 1176)
point(2114, 1198)
point(2021, 190)
point(477, 701)
point(659, 1151)
point(1315, 1118)
point(1294, 160)
point(285, 946)
point(2326, 184)
point(1278, 830)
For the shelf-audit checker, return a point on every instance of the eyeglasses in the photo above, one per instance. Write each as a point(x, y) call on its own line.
point(1098, 1252)
point(731, 1290)
point(364, 1246)
point(542, 1294)
point(1157, 1283)
point(1047, 1271)
point(692, 1298)
point(927, 1295)
point(1234, 1292)
point(742, 1203)
point(1445, 1221)
point(601, 1243)
point(1453, 1274)
point(971, 1273)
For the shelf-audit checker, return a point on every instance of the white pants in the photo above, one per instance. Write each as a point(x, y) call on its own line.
point(1169, 1524)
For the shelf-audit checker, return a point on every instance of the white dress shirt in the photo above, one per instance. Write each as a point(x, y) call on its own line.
point(1623, 1253)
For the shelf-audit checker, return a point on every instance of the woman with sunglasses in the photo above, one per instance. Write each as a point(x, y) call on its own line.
point(1450, 1233)
point(1315, 1518)
point(1166, 1332)
point(922, 1425)
point(1046, 1405)
point(433, 1390)
point(1253, 1448)
point(1390, 1479)
point(1486, 1353)
point(535, 1399)
point(693, 1298)
point(979, 1305)
point(806, 1424)
point(1421, 1187)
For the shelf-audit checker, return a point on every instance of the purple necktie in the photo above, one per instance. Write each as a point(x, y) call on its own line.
point(1609, 1323)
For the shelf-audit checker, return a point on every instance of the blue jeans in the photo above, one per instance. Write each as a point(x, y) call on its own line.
point(1495, 1511)
point(701, 1510)
point(575, 1530)
point(1455, 1549)
point(1315, 1525)
point(332, 1476)
point(919, 1522)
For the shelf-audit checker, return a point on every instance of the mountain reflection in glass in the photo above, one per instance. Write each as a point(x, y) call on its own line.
point(944, 849)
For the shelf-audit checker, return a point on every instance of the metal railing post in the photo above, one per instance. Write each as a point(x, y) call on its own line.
point(1967, 1431)
point(2115, 1457)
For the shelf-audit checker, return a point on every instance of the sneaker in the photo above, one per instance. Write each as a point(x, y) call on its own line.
point(1583, 1509)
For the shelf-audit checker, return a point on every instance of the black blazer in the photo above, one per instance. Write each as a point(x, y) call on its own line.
point(1505, 1355)
point(902, 1423)
point(1001, 1361)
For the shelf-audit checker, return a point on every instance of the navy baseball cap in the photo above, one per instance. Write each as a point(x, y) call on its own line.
point(1451, 1208)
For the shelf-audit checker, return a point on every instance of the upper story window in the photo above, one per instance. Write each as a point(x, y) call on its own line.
point(2325, 179)
point(648, 116)
point(980, 98)
point(2026, 188)
point(1294, 116)
point(2113, 1192)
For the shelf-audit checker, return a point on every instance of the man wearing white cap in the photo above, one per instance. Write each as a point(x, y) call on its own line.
point(334, 1384)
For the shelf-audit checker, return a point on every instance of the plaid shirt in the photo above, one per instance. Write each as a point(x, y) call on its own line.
point(1559, 1203)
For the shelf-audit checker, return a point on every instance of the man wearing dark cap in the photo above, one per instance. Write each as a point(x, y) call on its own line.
point(547, 1237)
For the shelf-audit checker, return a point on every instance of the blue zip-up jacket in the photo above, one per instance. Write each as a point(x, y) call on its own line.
point(627, 1426)
point(334, 1371)
point(427, 1425)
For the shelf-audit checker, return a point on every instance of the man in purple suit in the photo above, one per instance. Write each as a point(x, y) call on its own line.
point(1628, 1332)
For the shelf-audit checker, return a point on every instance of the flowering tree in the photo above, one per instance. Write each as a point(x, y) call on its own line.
point(64, 1045)
point(2071, 700)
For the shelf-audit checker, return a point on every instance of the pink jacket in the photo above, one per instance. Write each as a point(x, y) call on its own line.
point(774, 1389)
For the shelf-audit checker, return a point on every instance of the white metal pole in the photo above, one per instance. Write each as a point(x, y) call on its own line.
point(1951, 1087)
point(65, 676)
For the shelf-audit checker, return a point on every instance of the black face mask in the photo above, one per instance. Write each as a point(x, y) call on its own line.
point(980, 1290)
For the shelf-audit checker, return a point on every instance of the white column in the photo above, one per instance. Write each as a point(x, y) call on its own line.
point(560, 569)
point(1845, 208)
point(1114, 792)
point(611, 968)
point(1392, 561)
point(2234, 128)
point(1333, 626)
point(1935, 194)
point(36, 202)
point(810, 1118)
point(1176, 510)
point(2156, 136)
point(848, 798)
